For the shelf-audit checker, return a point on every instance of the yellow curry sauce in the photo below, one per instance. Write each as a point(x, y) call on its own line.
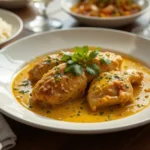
point(78, 110)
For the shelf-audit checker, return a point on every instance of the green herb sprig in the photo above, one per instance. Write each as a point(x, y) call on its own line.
point(78, 61)
point(48, 60)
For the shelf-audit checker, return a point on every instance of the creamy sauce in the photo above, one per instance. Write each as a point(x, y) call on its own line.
point(78, 110)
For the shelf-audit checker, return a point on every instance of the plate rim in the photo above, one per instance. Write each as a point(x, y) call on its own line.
point(20, 25)
point(74, 28)
point(77, 131)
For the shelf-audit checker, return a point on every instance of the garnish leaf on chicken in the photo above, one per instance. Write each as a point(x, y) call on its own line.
point(77, 62)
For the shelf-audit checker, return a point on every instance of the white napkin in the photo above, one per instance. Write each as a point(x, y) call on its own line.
point(7, 137)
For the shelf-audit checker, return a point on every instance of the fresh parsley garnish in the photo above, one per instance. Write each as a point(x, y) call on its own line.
point(48, 60)
point(78, 61)
point(75, 69)
point(66, 56)
point(93, 54)
point(92, 69)
point(105, 60)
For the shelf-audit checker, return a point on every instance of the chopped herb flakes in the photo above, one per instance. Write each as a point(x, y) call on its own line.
point(78, 114)
point(48, 112)
point(125, 73)
point(48, 57)
point(48, 60)
point(30, 106)
point(108, 77)
point(116, 76)
point(81, 107)
point(101, 113)
point(100, 78)
point(140, 105)
point(108, 117)
point(25, 83)
point(23, 92)
point(126, 86)
point(58, 77)
point(103, 85)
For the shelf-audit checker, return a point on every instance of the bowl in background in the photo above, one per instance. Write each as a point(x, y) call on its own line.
point(14, 20)
point(66, 5)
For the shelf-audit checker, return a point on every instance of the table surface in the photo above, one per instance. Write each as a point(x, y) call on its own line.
point(36, 139)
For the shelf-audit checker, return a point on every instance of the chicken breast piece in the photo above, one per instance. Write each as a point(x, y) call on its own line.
point(112, 88)
point(42, 67)
point(57, 87)
point(106, 61)
point(134, 76)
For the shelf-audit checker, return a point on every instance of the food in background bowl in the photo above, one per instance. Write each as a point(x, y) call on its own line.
point(106, 8)
point(5, 30)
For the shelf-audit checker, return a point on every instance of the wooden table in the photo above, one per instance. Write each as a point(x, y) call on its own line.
point(35, 139)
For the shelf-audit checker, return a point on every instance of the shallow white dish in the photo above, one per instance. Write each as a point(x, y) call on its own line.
point(105, 22)
point(14, 20)
point(15, 55)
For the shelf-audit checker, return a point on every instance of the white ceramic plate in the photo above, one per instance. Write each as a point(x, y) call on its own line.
point(105, 22)
point(14, 20)
point(15, 55)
